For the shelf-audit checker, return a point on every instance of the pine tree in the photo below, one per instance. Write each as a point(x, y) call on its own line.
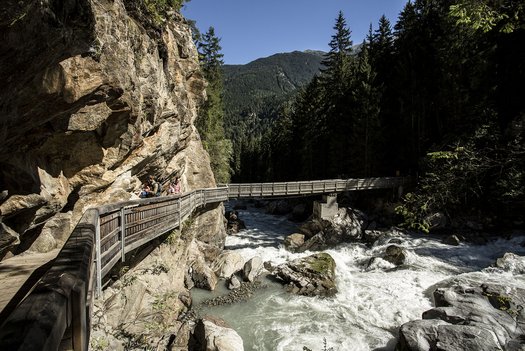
point(337, 60)
point(335, 80)
point(210, 121)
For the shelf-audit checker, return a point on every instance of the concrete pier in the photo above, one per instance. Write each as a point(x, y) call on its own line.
point(326, 208)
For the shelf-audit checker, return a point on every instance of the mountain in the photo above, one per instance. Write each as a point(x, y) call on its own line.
point(247, 86)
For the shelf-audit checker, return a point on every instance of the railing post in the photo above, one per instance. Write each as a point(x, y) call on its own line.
point(98, 266)
point(180, 215)
point(123, 233)
point(79, 327)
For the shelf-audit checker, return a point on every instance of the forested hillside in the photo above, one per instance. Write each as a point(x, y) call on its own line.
point(254, 94)
point(438, 95)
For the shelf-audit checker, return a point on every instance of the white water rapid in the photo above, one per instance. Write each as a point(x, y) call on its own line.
point(371, 303)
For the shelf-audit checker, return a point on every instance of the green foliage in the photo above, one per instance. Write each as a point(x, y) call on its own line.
point(434, 99)
point(488, 15)
point(210, 122)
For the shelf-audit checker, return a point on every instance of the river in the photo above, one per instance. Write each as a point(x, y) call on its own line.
point(371, 303)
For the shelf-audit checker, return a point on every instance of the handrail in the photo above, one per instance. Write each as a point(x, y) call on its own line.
point(63, 297)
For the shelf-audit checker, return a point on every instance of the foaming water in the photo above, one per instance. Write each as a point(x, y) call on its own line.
point(371, 303)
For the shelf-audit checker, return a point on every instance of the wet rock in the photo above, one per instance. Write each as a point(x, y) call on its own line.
point(203, 276)
point(310, 276)
point(425, 335)
point(511, 262)
point(234, 283)
point(227, 264)
point(452, 240)
point(234, 223)
point(252, 268)
point(294, 242)
point(214, 334)
point(395, 255)
point(469, 316)
point(347, 226)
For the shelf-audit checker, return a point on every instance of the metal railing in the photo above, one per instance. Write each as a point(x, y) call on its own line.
point(63, 297)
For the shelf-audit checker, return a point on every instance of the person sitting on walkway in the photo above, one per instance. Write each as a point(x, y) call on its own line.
point(145, 191)
point(155, 187)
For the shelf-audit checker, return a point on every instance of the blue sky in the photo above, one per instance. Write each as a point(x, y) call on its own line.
point(250, 29)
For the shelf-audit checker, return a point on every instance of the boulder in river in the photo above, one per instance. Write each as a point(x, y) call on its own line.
point(234, 223)
point(313, 275)
point(214, 334)
point(234, 283)
point(347, 226)
point(252, 268)
point(293, 242)
point(469, 317)
point(227, 264)
point(395, 255)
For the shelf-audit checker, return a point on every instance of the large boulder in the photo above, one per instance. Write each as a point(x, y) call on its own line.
point(214, 334)
point(234, 223)
point(310, 276)
point(252, 268)
point(347, 226)
point(395, 254)
point(469, 316)
point(227, 264)
point(293, 242)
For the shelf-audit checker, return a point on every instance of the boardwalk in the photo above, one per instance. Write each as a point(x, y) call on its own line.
point(62, 300)
point(18, 275)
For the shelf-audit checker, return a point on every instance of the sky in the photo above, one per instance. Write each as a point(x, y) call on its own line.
point(251, 29)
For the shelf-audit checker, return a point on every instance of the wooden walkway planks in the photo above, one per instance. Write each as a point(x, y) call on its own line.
point(18, 275)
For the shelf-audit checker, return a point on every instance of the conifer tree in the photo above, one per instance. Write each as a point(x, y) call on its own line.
point(335, 81)
point(210, 121)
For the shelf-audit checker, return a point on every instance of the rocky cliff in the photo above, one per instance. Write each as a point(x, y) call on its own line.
point(94, 98)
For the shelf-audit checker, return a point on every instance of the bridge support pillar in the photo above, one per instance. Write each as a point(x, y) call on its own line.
point(326, 208)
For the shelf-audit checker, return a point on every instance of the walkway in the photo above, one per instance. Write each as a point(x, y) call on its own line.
point(61, 301)
point(18, 275)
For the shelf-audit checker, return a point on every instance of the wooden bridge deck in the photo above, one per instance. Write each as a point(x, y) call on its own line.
point(18, 275)
point(62, 298)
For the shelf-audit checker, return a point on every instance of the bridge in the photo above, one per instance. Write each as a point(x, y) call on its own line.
point(57, 311)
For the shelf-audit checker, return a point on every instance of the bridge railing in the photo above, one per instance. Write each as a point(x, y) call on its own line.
point(63, 297)
point(312, 187)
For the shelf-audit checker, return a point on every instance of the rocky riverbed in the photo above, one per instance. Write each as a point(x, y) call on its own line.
point(386, 280)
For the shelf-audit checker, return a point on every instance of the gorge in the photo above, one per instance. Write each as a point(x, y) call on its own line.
point(100, 94)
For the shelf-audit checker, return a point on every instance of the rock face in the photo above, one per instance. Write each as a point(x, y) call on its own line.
point(469, 317)
point(95, 97)
point(311, 276)
point(93, 101)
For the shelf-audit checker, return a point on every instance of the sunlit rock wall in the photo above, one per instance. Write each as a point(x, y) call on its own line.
point(90, 104)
